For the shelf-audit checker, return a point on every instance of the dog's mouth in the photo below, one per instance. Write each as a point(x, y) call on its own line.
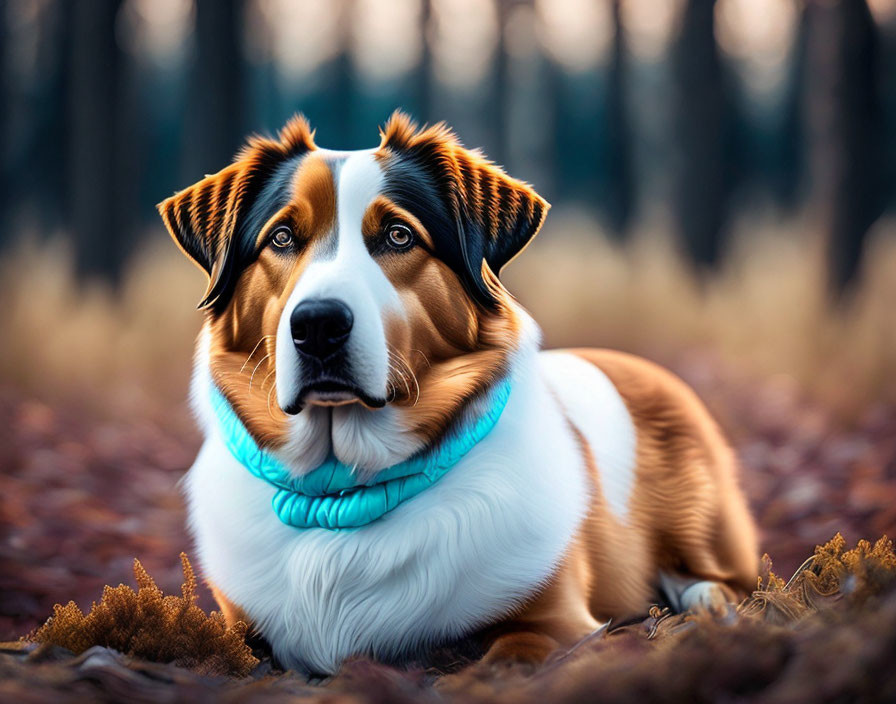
point(330, 391)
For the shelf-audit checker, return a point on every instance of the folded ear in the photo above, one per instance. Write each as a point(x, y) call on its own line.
point(494, 215)
point(206, 218)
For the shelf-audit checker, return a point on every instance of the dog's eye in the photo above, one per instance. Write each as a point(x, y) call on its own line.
point(399, 236)
point(282, 237)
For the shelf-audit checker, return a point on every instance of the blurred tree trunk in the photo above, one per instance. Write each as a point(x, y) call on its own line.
point(886, 70)
point(498, 106)
point(620, 186)
point(6, 95)
point(845, 130)
point(792, 135)
point(217, 96)
point(700, 172)
point(347, 131)
point(342, 114)
point(531, 96)
point(424, 68)
point(46, 148)
point(96, 214)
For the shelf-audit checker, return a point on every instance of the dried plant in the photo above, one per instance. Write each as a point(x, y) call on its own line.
point(830, 575)
point(149, 625)
point(825, 650)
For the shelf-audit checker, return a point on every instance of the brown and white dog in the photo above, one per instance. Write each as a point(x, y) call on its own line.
point(354, 309)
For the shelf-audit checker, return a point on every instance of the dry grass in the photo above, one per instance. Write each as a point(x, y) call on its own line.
point(147, 624)
point(827, 634)
point(764, 312)
point(116, 350)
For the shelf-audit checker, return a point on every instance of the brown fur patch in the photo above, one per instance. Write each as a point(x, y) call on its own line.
point(445, 351)
point(232, 613)
point(506, 210)
point(686, 515)
point(243, 336)
point(686, 491)
point(450, 350)
point(203, 218)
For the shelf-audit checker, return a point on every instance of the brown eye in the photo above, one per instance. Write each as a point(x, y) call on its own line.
point(282, 237)
point(399, 236)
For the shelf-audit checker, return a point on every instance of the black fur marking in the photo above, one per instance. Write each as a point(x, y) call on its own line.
point(241, 251)
point(418, 186)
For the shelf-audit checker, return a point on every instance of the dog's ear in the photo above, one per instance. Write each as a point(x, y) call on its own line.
point(206, 218)
point(493, 216)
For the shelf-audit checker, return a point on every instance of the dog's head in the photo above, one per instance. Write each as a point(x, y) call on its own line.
point(353, 301)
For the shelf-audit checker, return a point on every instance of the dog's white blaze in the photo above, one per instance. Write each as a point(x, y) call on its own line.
point(371, 439)
point(595, 407)
point(463, 553)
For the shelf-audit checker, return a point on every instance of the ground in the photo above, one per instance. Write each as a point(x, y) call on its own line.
point(84, 493)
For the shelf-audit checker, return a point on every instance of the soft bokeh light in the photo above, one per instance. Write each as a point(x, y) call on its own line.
point(722, 203)
point(649, 25)
point(463, 41)
point(576, 33)
point(300, 36)
point(386, 44)
point(758, 34)
point(157, 29)
point(883, 10)
point(520, 32)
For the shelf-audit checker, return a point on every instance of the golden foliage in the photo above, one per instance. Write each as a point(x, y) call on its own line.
point(830, 575)
point(764, 311)
point(149, 625)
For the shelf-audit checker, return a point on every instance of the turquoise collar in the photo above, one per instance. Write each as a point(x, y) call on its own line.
point(329, 496)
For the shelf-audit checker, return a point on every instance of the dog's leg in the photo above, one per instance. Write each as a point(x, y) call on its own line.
point(688, 593)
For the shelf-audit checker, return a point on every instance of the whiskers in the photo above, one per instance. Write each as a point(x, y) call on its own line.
point(425, 358)
point(272, 373)
point(254, 350)
point(260, 362)
point(402, 369)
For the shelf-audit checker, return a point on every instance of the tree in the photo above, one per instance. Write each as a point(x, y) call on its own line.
point(845, 131)
point(97, 216)
point(5, 102)
point(217, 119)
point(619, 185)
point(700, 114)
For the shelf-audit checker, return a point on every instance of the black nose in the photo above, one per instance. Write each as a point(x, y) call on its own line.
point(320, 327)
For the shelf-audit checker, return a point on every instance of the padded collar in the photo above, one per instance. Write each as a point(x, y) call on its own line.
point(329, 496)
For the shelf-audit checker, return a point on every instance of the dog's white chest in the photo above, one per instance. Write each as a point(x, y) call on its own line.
point(459, 555)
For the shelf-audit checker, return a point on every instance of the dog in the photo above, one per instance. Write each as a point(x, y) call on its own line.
point(390, 463)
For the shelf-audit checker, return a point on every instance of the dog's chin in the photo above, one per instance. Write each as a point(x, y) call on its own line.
point(329, 393)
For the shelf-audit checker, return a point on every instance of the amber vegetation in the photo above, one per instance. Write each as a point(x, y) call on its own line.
point(147, 624)
point(831, 574)
point(826, 634)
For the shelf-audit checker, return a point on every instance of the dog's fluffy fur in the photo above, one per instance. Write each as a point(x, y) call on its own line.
point(604, 483)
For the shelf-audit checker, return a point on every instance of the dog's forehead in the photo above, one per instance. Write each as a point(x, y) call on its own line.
point(332, 190)
point(345, 183)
